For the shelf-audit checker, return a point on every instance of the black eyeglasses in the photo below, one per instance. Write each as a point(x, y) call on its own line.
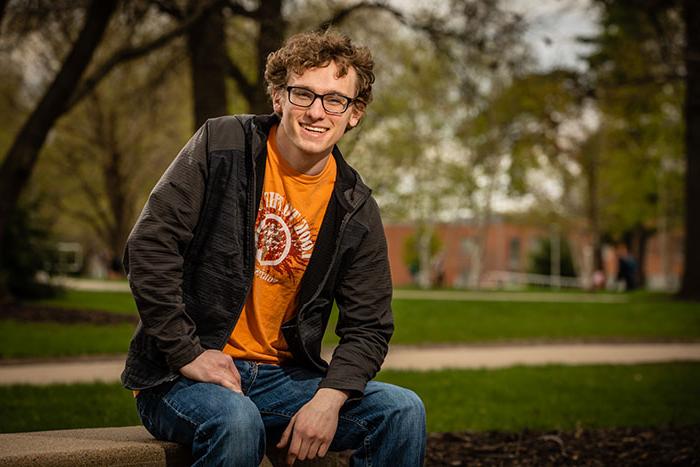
point(333, 103)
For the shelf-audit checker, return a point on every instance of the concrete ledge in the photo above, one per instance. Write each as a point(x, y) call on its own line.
point(124, 446)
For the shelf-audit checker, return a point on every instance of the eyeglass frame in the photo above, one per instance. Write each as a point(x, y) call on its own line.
point(351, 100)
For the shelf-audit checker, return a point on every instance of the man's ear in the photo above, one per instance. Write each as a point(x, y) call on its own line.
point(357, 112)
point(277, 101)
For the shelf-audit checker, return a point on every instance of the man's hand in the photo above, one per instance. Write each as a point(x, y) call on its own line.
point(312, 428)
point(214, 366)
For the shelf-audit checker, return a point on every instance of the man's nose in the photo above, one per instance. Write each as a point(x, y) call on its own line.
point(316, 110)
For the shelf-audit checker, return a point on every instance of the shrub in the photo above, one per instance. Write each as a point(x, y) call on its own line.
point(541, 262)
point(27, 250)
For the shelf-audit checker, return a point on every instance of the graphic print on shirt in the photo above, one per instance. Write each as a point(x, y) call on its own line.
point(284, 240)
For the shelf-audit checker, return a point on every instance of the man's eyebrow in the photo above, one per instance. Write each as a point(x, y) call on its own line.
point(332, 91)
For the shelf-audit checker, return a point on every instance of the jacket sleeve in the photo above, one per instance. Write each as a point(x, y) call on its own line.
point(365, 322)
point(154, 253)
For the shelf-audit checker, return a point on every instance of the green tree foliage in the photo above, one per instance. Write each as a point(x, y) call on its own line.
point(103, 160)
point(536, 123)
point(411, 250)
point(636, 71)
point(30, 249)
point(640, 98)
point(690, 286)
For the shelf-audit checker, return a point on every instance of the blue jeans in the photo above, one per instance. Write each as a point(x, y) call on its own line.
point(384, 428)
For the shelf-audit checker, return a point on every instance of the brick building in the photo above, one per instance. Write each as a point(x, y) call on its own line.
point(508, 247)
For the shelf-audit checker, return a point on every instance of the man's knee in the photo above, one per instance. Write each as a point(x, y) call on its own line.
point(236, 431)
point(400, 403)
point(241, 421)
point(408, 405)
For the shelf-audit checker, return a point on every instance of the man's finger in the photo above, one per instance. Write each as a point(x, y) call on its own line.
point(225, 382)
point(323, 449)
point(294, 448)
point(233, 368)
point(313, 450)
point(304, 448)
point(285, 436)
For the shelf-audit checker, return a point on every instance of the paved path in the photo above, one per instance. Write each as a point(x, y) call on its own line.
point(401, 357)
point(499, 296)
point(402, 294)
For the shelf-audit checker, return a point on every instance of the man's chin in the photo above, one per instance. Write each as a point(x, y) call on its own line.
point(315, 147)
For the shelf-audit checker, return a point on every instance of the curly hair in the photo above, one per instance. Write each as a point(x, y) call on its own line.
point(317, 49)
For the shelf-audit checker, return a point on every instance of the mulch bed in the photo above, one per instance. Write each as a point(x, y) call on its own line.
point(34, 313)
point(602, 447)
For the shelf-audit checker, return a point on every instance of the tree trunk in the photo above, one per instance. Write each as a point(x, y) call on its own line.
point(206, 42)
point(270, 38)
point(637, 240)
point(424, 243)
point(19, 161)
point(590, 168)
point(690, 286)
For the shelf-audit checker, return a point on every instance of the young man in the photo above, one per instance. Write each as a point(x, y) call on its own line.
point(252, 233)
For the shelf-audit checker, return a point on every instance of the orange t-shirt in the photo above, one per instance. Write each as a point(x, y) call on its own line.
point(289, 218)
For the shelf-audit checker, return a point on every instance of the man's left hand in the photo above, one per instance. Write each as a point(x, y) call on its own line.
point(311, 430)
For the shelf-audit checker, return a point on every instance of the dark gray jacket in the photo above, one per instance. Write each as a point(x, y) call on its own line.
point(190, 260)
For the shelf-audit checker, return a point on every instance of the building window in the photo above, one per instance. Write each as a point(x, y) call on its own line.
point(468, 246)
point(514, 254)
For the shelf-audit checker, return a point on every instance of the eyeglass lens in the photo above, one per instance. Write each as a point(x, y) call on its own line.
point(333, 103)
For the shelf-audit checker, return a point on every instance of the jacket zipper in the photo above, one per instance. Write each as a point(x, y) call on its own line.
point(343, 224)
point(252, 213)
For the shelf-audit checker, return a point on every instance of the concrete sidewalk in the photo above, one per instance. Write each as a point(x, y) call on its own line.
point(95, 285)
point(399, 358)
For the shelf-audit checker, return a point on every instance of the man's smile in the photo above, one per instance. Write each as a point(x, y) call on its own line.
point(313, 128)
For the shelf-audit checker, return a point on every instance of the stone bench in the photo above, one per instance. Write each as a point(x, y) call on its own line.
point(125, 446)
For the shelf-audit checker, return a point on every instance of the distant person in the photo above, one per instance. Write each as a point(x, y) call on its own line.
point(254, 231)
point(598, 280)
point(626, 267)
point(439, 270)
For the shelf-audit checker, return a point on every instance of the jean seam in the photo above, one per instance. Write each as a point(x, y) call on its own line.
point(368, 458)
point(180, 414)
point(361, 423)
point(253, 370)
point(142, 415)
point(274, 412)
point(357, 421)
point(253, 376)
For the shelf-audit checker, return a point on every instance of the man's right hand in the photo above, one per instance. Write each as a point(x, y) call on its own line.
point(214, 366)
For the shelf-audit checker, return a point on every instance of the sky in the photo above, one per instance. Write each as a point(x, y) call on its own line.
point(554, 27)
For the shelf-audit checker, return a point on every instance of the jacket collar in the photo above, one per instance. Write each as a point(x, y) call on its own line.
point(350, 190)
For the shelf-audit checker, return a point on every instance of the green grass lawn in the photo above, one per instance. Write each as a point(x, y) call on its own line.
point(557, 397)
point(645, 317)
point(438, 321)
point(448, 321)
point(117, 302)
point(48, 340)
point(547, 398)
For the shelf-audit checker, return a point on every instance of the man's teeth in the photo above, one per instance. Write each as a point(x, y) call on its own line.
point(315, 129)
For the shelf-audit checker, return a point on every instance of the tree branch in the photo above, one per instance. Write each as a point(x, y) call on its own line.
point(247, 88)
point(3, 6)
point(101, 230)
point(237, 9)
point(19, 161)
point(340, 15)
point(430, 26)
point(170, 8)
point(132, 53)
